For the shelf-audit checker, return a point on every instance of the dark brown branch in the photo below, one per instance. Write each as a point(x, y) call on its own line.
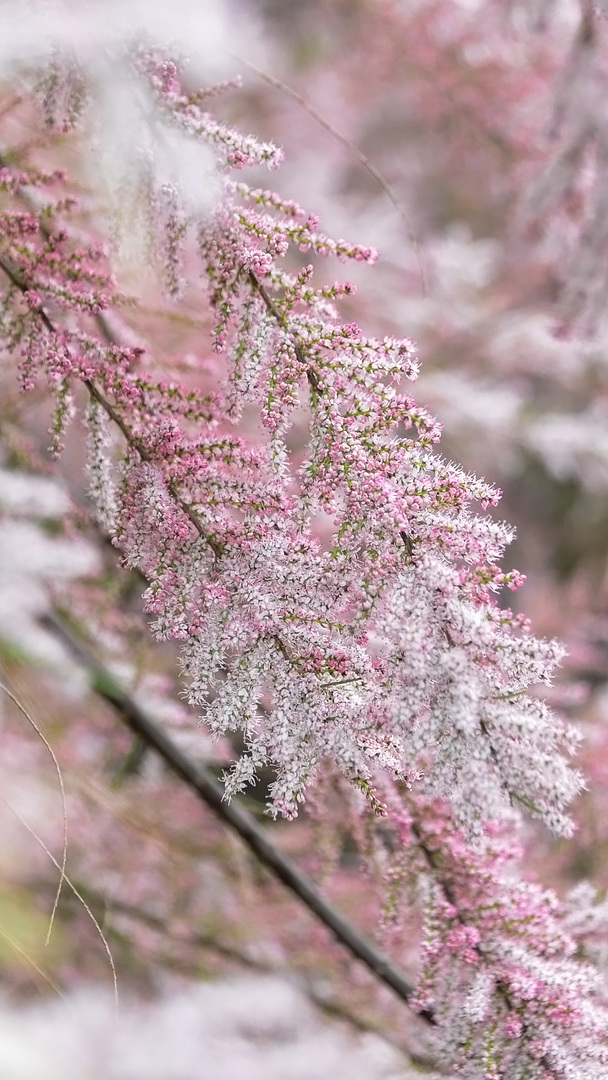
point(320, 997)
point(211, 793)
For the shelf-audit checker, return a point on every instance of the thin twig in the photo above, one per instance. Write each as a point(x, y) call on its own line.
point(15, 276)
point(361, 157)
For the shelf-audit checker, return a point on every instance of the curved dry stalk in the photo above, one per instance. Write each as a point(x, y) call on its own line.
point(64, 853)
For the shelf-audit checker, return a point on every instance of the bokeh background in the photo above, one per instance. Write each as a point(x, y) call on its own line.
point(466, 140)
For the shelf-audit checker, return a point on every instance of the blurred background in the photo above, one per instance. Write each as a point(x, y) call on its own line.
point(465, 140)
